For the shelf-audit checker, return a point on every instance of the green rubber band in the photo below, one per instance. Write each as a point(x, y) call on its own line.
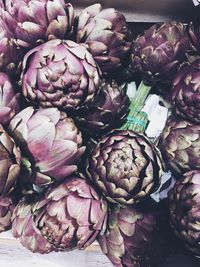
point(135, 120)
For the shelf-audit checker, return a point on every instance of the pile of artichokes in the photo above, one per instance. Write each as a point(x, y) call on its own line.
point(76, 164)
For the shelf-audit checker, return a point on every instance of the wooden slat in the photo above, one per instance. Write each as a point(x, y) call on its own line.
point(148, 10)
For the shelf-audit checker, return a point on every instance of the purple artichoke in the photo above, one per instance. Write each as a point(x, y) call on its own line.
point(108, 111)
point(10, 159)
point(107, 35)
point(60, 74)
point(9, 99)
point(158, 53)
point(50, 142)
point(180, 145)
point(129, 236)
point(10, 52)
point(194, 34)
point(35, 21)
point(186, 93)
point(125, 166)
point(184, 201)
point(6, 210)
point(68, 216)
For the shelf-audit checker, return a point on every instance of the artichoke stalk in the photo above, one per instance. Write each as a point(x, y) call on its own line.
point(51, 144)
point(69, 216)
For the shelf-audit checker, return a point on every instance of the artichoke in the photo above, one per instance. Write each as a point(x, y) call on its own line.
point(186, 93)
point(184, 201)
point(6, 210)
point(35, 21)
point(60, 74)
point(10, 52)
point(108, 111)
point(158, 53)
point(107, 35)
point(129, 236)
point(50, 142)
point(10, 158)
point(68, 216)
point(180, 145)
point(9, 99)
point(125, 166)
point(194, 34)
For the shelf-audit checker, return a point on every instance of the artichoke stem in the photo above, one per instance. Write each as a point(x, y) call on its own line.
point(137, 120)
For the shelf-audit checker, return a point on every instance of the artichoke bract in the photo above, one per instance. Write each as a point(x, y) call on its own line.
point(50, 142)
point(125, 166)
point(194, 34)
point(9, 99)
point(35, 21)
point(60, 74)
point(158, 53)
point(6, 210)
point(108, 111)
point(10, 159)
point(67, 217)
point(107, 35)
point(10, 52)
point(186, 92)
point(180, 145)
point(184, 201)
point(128, 237)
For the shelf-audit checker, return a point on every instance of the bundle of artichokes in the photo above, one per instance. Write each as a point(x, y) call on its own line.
point(76, 163)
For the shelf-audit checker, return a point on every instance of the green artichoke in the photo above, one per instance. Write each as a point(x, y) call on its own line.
point(108, 111)
point(9, 99)
point(186, 93)
point(107, 35)
point(10, 158)
point(129, 236)
point(35, 21)
point(158, 53)
point(60, 74)
point(70, 215)
point(125, 166)
point(184, 201)
point(180, 145)
point(51, 144)
point(6, 210)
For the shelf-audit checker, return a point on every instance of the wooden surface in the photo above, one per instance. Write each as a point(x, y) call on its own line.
point(148, 10)
point(12, 254)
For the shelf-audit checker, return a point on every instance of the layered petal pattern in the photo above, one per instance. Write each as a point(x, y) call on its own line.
point(50, 142)
point(6, 210)
point(125, 166)
point(180, 145)
point(184, 210)
point(107, 35)
point(10, 159)
point(108, 111)
point(129, 237)
point(186, 93)
point(158, 53)
point(9, 99)
point(60, 74)
point(35, 21)
point(68, 216)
